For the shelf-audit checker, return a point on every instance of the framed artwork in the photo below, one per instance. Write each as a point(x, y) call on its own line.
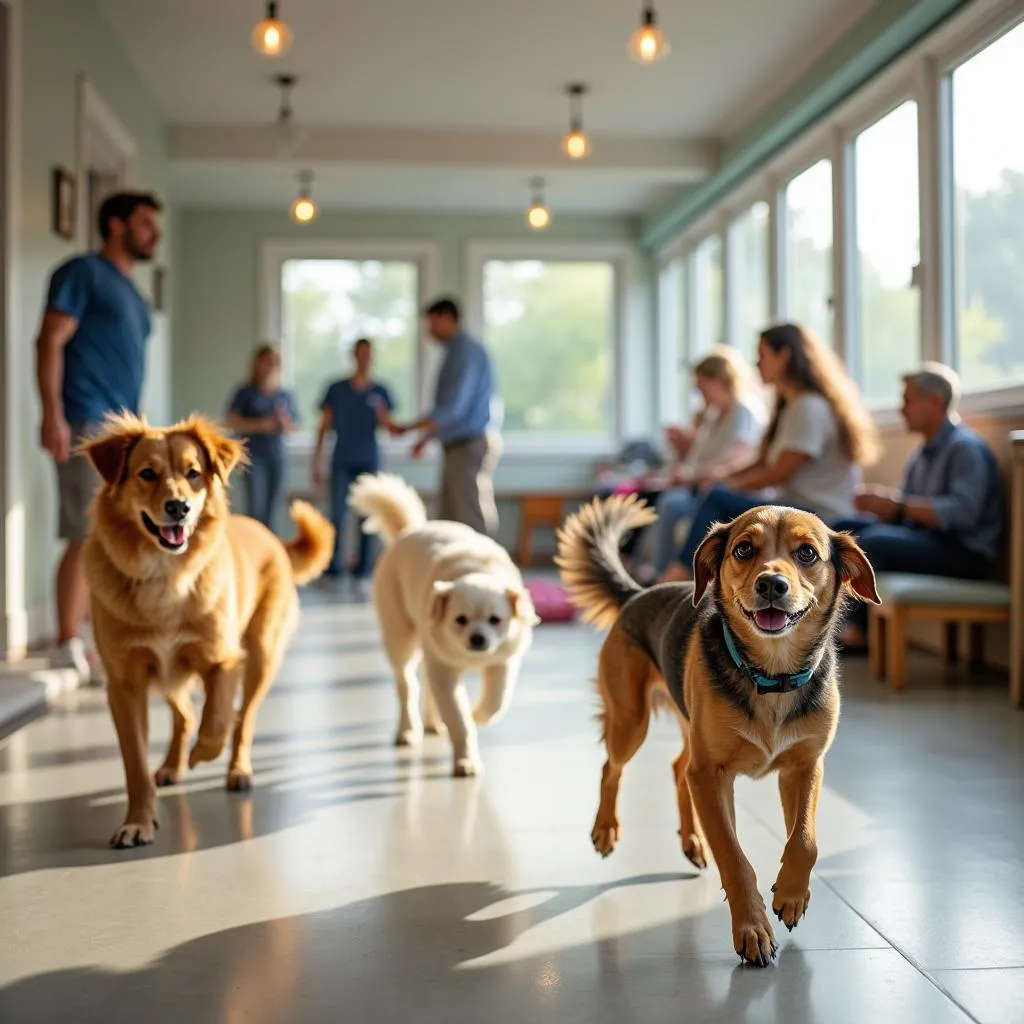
point(63, 203)
point(159, 289)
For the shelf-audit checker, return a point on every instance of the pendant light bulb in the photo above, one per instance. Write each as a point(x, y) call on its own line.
point(271, 37)
point(303, 210)
point(538, 216)
point(648, 43)
point(575, 143)
point(286, 132)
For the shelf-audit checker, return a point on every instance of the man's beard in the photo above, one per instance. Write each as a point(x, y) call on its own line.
point(137, 251)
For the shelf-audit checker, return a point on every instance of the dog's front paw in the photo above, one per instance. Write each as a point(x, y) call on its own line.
point(605, 836)
point(207, 748)
point(134, 833)
point(239, 781)
point(753, 938)
point(789, 903)
point(166, 775)
point(695, 849)
point(435, 728)
point(467, 767)
point(408, 738)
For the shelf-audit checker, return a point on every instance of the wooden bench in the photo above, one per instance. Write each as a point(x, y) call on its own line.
point(954, 602)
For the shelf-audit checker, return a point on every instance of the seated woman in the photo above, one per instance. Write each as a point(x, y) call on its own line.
point(724, 437)
point(819, 437)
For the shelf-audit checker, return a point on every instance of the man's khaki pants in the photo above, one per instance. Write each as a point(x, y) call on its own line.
point(467, 482)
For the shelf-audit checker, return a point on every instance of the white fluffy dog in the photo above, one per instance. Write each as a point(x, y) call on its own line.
point(453, 597)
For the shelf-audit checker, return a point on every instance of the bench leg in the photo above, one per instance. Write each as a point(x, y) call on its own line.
point(950, 643)
point(876, 643)
point(977, 652)
point(897, 649)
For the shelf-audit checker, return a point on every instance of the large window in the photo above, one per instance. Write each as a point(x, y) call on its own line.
point(326, 304)
point(748, 278)
point(988, 162)
point(888, 237)
point(674, 378)
point(706, 296)
point(808, 234)
point(551, 326)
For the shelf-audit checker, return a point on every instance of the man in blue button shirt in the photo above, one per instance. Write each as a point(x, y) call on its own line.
point(90, 361)
point(947, 518)
point(463, 420)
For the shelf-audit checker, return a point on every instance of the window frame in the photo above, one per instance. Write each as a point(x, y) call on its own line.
point(922, 74)
point(275, 253)
point(622, 373)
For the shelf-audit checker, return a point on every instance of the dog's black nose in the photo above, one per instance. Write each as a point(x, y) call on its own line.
point(477, 642)
point(176, 509)
point(772, 587)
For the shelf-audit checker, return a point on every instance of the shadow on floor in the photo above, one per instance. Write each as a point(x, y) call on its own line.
point(398, 957)
point(200, 814)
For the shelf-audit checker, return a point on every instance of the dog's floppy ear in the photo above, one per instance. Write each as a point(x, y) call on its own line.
point(855, 570)
point(707, 559)
point(223, 453)
point(522, 606)
point(108, 451)
point(439, 602)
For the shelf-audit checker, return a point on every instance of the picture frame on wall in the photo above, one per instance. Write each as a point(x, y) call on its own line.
point(63, 203)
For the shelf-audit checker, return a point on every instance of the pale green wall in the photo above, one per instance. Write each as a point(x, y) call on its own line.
point(217, 313)
point(62, 38)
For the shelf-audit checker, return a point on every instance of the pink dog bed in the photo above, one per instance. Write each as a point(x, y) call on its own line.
point(550, 601)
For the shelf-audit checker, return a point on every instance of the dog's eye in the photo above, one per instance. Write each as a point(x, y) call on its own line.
point(806, 555)
point(461, 620)
point(149, 475)
point(743, 550)
point(494, 620)
point(192, 475)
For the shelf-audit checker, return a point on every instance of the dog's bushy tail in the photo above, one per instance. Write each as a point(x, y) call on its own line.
point(390, 505)
point(595, 579)
point(311, 550)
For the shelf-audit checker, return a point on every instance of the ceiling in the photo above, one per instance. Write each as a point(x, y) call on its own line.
point(403, 67)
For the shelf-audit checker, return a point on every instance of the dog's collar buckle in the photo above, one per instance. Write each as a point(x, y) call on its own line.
point(785, 683)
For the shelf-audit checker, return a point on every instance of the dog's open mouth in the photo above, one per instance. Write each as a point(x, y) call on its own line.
point(172, 538)
point(774, 620)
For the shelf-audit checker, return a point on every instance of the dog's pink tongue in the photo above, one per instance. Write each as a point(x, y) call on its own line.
point(173, 535)
point(771, 620)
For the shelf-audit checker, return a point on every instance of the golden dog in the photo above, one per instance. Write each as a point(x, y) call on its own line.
point(745, 656)
point(181, 589)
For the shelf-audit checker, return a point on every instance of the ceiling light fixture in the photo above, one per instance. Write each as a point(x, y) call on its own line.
point(271, 37)
point(538, 216)
point(648, 44)
point(575, 141)
point(304, 209)
point(285, 129)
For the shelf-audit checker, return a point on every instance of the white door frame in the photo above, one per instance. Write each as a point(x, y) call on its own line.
point(13, 374)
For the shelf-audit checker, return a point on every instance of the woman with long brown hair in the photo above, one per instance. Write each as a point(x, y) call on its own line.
point(819, 437)
point(262, 412)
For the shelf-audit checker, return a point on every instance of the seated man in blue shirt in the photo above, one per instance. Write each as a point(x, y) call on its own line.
point(90, 361)
point(463, 421)
point(947, 518)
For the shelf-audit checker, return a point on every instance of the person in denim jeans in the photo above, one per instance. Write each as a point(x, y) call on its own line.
point(354, 408)
point(262, 412)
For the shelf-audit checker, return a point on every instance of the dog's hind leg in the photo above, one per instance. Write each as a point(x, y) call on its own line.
point(623, 679)
point(183, 727)
point(499, 686)
point(268, 635)
point(453, 704)
point(695, 847)
point(402, 648)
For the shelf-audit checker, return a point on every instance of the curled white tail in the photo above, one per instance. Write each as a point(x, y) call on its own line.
point(390, 505)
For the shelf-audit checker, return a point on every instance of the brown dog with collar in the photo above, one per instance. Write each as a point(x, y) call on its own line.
point(745, 656)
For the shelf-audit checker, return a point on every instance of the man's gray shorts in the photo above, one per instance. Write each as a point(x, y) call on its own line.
point(77, 481)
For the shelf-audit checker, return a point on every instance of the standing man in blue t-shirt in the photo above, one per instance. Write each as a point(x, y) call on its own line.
point(354, 408)
point(464, 420)
point(90, 361)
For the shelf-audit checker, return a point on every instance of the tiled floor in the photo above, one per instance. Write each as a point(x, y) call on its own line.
point(361, 883)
